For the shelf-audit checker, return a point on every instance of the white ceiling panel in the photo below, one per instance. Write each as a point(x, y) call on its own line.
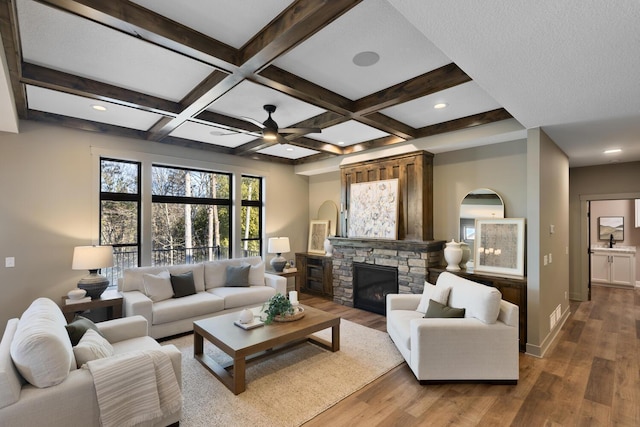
point(463, 100)
point(327, 58)
point(247, 100)
point(79, 107)
point(287, 151)
point(211, 135)
point(348, 133)
point(231, 22)
point(77, 46)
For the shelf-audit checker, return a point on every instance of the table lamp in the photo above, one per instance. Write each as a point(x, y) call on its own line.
point(278, 245)
point(93, 258)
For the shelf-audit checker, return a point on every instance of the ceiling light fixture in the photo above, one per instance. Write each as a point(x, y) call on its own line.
point(99, 107)
point(366, 59)
point(340, 142)
point(440, 105)
point(289, 149)
point(613, 151)
point(269, 134)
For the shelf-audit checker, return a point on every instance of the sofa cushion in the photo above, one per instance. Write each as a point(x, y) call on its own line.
point(399, 325)
point(437, 310)
point(92, 346)
point(183, 284)
point(132, 277)
point(237, 276)
point(173, 309)
point(215, 272)
point(432, 292)
point(480, 301)
point(77, 328)
point(41, 348)
point(239, 297)
point(157, 286)
point(10, 380)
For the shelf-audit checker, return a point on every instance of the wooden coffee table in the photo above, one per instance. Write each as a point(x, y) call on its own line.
point(245, 345)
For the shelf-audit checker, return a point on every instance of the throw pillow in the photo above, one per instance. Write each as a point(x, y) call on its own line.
point(183, 284)
point(92, 346)
point(436, 309)
point(157, 286)
point(256, 274)
point(238, 276)
point(77, 328)
point(432, 292)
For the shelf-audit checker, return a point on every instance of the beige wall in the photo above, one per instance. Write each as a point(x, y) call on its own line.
point(547, 285)
point(322, 188)
point(603, 182)
point(48, 184)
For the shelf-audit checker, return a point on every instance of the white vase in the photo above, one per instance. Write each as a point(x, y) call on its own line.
point(453, 255)
point(466, 254)
point(328, 247)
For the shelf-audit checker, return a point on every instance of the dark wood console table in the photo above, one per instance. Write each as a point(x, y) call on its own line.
point(513, 290)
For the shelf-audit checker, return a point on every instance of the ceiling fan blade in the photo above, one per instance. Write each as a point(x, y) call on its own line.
point(301, 131)
point(254, 121)
point(282, 140)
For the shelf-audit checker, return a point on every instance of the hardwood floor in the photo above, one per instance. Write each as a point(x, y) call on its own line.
point(590, 377)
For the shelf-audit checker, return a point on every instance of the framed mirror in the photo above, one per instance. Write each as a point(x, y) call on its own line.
point(480, 203)
point(329, 211)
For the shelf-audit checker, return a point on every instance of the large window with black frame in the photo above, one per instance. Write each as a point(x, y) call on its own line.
point(251, 216)
point(191, 215)
point(120, 200)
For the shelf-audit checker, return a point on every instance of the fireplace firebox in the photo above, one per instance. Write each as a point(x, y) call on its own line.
point(371, 284)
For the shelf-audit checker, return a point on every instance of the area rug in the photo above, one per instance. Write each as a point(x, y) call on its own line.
point(289, 388)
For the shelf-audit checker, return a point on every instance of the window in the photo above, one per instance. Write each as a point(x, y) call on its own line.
point(120, 213)
point(251, 216)
point(190, 212)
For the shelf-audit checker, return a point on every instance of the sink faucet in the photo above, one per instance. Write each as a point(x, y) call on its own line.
point(611, 241)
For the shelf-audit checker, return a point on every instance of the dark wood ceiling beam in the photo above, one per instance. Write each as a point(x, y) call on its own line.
point(87, 125)
point(11, 43)
point(322, 121)
point(313, 144)
point(313, 158)
point(122, 14)
point(293, 26)
point(385, 141)
point(37, 75)
point(464, 123)
point(389, 125)
point(283, 81)
point(253, 146)
point(227, 121)
point(434, 81)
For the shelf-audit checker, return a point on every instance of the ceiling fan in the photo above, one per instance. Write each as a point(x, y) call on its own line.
point(271, 132)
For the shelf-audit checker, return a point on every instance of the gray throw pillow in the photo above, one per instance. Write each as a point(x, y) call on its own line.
point(183, 284)
point(78, 327)
point(436, 309)
point(238, 276)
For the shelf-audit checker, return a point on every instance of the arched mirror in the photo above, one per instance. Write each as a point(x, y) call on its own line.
point(479, 203)
point(329, 211)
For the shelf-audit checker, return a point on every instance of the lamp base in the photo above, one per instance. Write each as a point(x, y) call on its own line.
point(94, 284)
point(278, 263)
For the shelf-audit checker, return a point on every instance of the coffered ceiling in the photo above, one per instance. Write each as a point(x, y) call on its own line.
point(366, 73)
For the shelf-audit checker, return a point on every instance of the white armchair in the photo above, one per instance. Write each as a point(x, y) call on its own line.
point(71, 400)
point(481, 346)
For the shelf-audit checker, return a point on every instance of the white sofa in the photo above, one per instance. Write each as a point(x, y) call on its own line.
point(481, 346)
point(171, 316)
point(44, 387)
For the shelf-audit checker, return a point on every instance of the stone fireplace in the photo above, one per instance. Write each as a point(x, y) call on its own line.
point(410, 258)
point(371, 284)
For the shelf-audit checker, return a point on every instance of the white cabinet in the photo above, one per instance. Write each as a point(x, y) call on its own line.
point(613, 268)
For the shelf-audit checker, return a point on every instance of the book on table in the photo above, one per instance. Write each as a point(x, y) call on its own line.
point(69, 301)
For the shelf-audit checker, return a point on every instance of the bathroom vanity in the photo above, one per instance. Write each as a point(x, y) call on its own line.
point(614, 266)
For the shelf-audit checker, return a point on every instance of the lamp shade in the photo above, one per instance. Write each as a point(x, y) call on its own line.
point(278, 245)
point(92, 257)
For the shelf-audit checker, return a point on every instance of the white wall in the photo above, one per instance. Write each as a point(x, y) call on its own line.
point(47, 183)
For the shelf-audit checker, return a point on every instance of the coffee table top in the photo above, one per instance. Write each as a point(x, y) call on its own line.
point(232, 339)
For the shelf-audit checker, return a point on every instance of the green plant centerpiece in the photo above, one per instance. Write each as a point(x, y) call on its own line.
point(277, 305)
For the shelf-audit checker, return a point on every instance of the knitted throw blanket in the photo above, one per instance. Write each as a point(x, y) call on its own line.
point(135, 388)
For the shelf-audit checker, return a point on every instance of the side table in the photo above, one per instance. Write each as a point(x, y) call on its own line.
point(112, 300)
point(295, 274)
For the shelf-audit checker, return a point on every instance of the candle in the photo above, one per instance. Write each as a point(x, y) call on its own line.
point(293, 297)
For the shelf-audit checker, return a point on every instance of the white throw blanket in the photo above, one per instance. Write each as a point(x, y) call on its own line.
point(135, 388)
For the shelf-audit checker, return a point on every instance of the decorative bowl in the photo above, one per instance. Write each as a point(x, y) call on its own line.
point(298, 313)
point(76, 293)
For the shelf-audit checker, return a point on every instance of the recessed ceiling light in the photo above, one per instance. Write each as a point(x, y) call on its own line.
point(99, 107)
point(440, 105)
point(613, 151)
point(340, 142)
point(289, 149)
point(366, 59)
